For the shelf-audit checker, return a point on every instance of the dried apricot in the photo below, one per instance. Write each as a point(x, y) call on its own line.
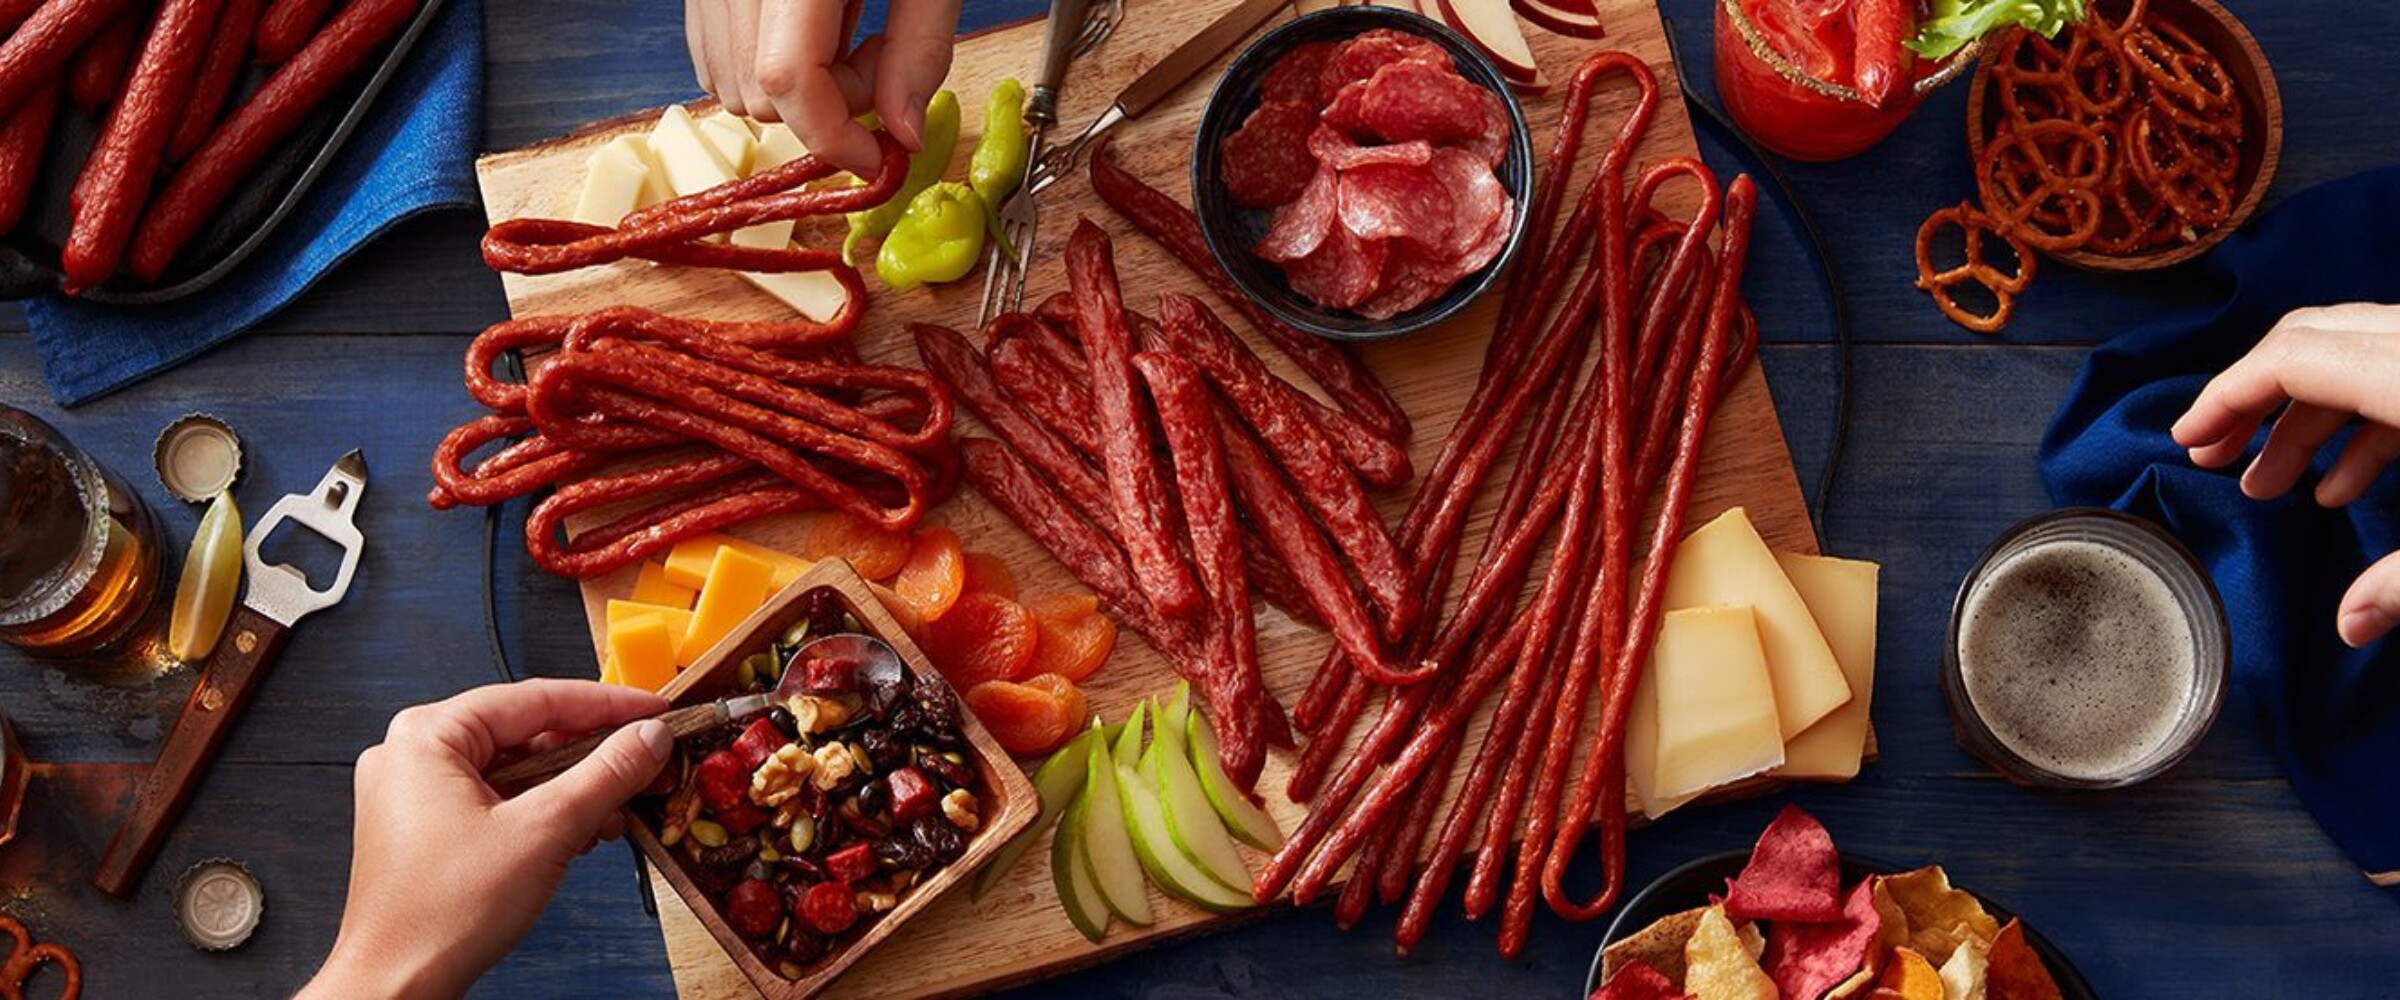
point(1026, 720)
point(935, 574)
point(988, 573)
point(875, 553)
point(1066, 692)
point(1075, 638)
point(985, 637)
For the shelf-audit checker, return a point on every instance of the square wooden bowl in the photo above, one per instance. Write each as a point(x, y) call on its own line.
point(1008, 799)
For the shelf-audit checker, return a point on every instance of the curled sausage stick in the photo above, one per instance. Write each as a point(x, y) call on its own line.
point(1236, 691)
point(24, 134)
point(514, 471)
point(1137, 490)
point(1327, 487)
point(1603, 771)
point(553, 246)
point(1174, 227)
point(116, 180)
point(633, 537)
point(233, 151)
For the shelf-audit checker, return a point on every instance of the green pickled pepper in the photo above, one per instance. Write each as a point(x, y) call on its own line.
point(999, 163)
point(924, 168)
point(938, 240)
point(212, 578)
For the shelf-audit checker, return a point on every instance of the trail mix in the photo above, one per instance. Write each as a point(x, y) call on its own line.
point(807, 824)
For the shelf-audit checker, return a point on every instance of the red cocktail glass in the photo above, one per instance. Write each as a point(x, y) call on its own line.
point(1776, 63)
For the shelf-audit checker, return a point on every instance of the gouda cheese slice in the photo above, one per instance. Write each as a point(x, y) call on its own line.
point(1703, 713)
point(1840, 594)
point(737, 584)
point(654, 588)
point(1725, 563)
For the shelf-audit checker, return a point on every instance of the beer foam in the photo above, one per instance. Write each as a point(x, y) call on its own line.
point(2078, 657)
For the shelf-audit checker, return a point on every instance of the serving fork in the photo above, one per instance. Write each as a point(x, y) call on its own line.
point(1075, 27)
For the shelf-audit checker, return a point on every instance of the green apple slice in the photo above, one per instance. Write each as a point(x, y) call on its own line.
point(1191, 822)
point(1128, 746)
point(1171, 717)
point(1242, 817)
point(1146, 819)
point(1077, 893)
point(1056, 783)
point(1108, 848)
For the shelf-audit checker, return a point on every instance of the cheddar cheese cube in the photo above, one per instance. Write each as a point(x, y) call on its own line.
point(738, 583)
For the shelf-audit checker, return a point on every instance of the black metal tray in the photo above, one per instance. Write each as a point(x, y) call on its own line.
point(29, 257)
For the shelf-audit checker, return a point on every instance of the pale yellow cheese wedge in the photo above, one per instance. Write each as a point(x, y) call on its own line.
point(613, 180)
point(696, 160)
point(735, 143)
point(776, 147)
point(1725, 563)
point(690, 161)
point(1840, 594)
point(1703, 713)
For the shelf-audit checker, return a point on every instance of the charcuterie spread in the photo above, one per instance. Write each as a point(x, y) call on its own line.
point(1375, 159)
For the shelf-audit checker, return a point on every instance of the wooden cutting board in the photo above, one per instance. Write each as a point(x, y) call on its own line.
point(1018, 933)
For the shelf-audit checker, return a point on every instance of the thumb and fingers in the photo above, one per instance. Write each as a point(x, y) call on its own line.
point(800, 70)
point(2372, 604)
point(582, 802)
point(913, 61)
point(2322, 367)
point(479, 723)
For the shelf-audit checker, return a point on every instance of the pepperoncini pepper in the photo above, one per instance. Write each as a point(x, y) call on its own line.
point(998, 165)
point(924, 168)
point(937, 240)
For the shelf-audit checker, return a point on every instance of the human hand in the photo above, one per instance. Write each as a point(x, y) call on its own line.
point(445, 874)
point(782, 60)
point(2324, 368)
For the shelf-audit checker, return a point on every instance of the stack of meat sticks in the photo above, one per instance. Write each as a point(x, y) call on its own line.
point(1663, 307)
point(1166, 466)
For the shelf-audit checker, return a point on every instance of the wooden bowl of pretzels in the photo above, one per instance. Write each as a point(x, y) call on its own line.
point(2133, 141)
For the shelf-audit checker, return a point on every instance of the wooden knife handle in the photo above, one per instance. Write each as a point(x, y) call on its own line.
point(227, 682)
point(1195, 54)
point(1064, 28)
point(533, 770)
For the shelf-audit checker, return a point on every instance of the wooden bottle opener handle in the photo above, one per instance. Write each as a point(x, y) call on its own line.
point(227, 682)
point(527, 772)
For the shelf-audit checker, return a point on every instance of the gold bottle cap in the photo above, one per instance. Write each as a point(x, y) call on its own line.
point(218, 904)
point(198, 457)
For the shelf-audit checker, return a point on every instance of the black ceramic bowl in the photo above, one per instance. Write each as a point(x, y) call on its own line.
point(1232, 229)
point(1691, 884)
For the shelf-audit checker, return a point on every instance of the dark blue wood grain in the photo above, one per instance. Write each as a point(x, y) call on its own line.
point(2209, 882)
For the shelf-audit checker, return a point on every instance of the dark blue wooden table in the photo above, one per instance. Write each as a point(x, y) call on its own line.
point(2209, 882)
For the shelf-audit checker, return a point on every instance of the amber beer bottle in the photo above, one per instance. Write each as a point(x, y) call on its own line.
point(79, 554)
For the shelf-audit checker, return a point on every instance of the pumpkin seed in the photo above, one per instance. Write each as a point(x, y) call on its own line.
point(804, 833)
point(709, 833)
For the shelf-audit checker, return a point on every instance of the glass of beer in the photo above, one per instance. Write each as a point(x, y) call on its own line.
point(2088, 649)
point(79, 552)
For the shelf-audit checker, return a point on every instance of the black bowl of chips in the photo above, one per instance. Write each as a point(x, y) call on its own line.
point(1362, 172)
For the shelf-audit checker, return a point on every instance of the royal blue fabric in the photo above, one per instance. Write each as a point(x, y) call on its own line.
point(2330, 714)
point(414, 153)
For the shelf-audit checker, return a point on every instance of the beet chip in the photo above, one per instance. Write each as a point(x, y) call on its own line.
point(1794, 873)
point(2016, 971)
point(1806, 959)
point(1638, 981)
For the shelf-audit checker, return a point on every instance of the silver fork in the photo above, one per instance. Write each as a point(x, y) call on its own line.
point(1075, 26)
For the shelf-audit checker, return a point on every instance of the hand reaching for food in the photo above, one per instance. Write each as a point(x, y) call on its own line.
point(2324, 368)
point(783, 60)
point(425, 917)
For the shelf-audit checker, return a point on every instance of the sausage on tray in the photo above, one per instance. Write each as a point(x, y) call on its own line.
point(286, 28)
point(98, 72)
point(24, 133)
point(116, 181)
point(33, 56)
point(228, 47)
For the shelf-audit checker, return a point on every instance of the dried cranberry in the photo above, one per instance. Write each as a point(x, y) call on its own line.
point(952, 773)
point(742, 819)
point(883, 748)
point(851, 863)
point(803, 947)
point(724, 782)
point(730, 855)
point(806, 868)
point(829, 908)
point(912, 795)
point(826, 615)
point(904, 854)
point(759, 742)
point(753, 908)
point(940, 838)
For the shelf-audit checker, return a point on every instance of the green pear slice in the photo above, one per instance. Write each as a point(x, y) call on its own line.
point(1128, 747)
point(1242, 817)
point(1146, 819)
point(1070, 872)
point(1057, 784)
point(1177, 708)
point(1108, 848)
point(1191, 822)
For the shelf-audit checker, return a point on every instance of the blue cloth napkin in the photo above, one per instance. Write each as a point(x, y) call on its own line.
point(414, 153)
point(2331, 714)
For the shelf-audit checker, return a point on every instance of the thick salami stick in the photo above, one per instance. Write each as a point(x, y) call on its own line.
point(24, 134)
point(228, 45)
point(98, 72)
point(950, 358)
point(232, 151)
point(34, 55)
point(286, 28)
point(1174, 227)
point(1326, 486)
point(1236, 691)
point(14, 13)
point(116, 180)
point(1137, 492)
point(1603, 772)
point(1256, 391)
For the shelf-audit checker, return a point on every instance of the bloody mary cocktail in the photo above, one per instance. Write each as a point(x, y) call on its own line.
point(1823, 79)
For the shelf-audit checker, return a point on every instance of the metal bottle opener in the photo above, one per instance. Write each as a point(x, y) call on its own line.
point(278, 596)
